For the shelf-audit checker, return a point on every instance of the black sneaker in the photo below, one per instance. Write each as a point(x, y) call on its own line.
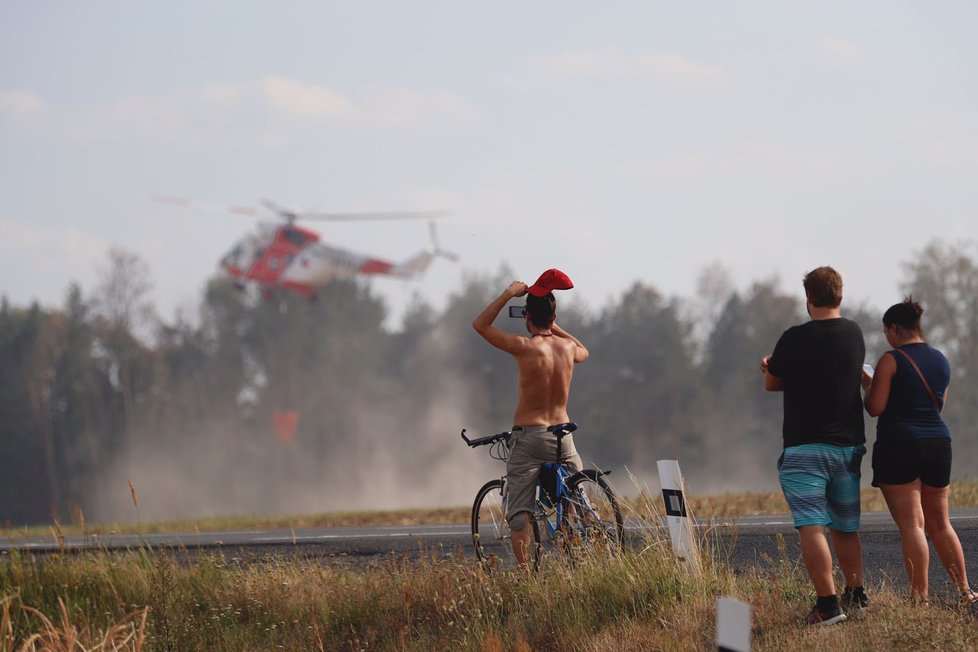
point(818, 617)
point(854, 599)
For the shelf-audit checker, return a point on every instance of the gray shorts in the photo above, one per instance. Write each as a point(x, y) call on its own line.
point(529, 447)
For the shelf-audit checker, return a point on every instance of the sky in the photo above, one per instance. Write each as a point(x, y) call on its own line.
point(621, 142)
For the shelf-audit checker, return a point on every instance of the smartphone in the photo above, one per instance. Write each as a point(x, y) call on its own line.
point(517, 312)
point(868, 368)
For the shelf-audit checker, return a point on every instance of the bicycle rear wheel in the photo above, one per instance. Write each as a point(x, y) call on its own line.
point(594, 515)
point(490, 529)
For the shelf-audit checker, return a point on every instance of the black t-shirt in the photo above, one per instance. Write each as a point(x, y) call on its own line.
point(820, 363)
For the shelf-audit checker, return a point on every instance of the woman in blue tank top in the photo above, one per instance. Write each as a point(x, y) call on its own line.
point(912, 453)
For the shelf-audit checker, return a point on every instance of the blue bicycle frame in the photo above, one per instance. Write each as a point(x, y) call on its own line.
point(563, 502)
point(556, 502)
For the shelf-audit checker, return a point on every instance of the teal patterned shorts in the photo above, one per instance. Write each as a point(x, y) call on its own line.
point(821, 484)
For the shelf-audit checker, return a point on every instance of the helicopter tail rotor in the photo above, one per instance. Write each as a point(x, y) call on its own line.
point(436, 245)
point(419, 263)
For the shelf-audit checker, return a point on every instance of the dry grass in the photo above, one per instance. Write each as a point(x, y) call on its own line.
point(643, 599)
point(127, 633)
point(964, 495)
point(434, 516)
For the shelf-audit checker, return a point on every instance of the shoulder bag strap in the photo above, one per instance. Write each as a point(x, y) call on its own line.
point(922, 379)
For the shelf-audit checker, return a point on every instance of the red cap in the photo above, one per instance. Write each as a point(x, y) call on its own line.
point(552, 279)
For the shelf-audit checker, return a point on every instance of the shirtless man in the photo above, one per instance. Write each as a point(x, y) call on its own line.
point(546, 364)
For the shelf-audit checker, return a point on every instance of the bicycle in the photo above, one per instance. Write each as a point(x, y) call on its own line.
point(576, 511)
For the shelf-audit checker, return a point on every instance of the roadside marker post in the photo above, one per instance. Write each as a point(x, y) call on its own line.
point(674, 497)
point(733, 625)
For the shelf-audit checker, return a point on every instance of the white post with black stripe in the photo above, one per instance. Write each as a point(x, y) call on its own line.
point(733, 625)
point(674, 497)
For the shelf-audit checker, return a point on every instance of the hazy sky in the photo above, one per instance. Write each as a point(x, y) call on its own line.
point(617, 141)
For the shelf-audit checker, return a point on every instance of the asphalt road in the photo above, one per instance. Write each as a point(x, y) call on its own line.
point(747, 542)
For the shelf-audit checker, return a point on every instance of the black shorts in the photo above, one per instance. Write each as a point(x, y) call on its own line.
point(900, 462)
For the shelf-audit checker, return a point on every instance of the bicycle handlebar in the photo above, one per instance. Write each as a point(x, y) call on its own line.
point(560, 430)
point(482, 441)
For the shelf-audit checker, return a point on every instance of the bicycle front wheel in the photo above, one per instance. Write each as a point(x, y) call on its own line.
point(594, 515)
point(490, 529)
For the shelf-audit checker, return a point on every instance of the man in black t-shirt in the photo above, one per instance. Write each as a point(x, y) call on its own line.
point(818, 366)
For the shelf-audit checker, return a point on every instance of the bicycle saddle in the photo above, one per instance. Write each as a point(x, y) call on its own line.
point(562, 429)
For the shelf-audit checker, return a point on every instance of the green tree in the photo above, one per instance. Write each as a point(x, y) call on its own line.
point(29, 486)
point(738, 424)
point(121, 304)
point(633, 392)
point(943, 277)
point(489, 375)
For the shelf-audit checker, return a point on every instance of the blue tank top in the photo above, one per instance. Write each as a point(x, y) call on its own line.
point(910, 412)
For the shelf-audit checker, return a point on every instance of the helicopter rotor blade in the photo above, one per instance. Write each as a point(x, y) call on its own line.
point(282, 212)
point(292, 215)
point(197, 204)
point(385, 215)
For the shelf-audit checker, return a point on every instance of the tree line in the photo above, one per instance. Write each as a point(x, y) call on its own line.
point(108, 412)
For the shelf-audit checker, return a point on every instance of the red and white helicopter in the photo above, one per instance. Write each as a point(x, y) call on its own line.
point(284, 256)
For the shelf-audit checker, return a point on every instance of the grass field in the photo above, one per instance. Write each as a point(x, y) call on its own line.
point(963, 495)
point(643, 599)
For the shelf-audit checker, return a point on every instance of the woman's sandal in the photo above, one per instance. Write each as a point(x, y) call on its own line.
point(969, 599)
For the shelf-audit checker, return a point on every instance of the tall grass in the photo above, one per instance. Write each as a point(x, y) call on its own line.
point(642, 599)
point(963, 495)
point(62, 635)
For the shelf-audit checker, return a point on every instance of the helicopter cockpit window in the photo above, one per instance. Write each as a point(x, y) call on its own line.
point(293, 236)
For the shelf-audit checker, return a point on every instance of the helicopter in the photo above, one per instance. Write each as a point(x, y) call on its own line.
point(285, 256)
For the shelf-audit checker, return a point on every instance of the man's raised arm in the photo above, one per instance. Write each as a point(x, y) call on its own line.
point(497, 336)
point(581, 354)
